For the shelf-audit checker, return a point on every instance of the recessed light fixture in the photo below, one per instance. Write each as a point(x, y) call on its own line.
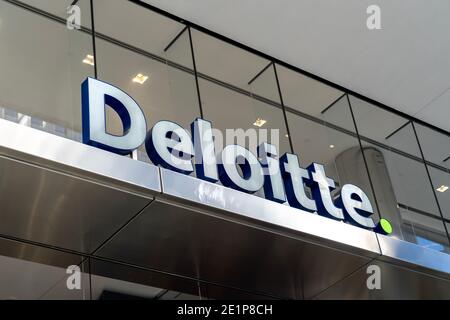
point(442, 188)
point(331, 146)
point(89, 60)
point(286, 135)
point(140, 78)
point(259, 122)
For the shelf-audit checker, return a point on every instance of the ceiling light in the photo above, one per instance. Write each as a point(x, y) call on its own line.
point(259, 122)
point(286, 135)
point(89, 60)
point(442, 188)
point(140, 78)
point(331, 146)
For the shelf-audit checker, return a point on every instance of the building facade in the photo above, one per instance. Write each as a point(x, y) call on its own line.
point(136, 230)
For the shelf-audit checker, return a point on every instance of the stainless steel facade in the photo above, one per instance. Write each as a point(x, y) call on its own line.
point(144, 231)
point(188, 227)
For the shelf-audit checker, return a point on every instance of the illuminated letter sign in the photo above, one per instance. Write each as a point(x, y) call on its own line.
point(172, 147)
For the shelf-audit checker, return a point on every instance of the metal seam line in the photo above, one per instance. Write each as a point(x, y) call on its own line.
point(94, 48)
point(260, 73)
point(130, 265)
point(134, 217)
point(332, 104)
point(195, 72)
point(283, 108)
point(175, 39)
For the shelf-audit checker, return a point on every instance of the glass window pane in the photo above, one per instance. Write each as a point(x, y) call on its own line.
point(409, 180)
point(169, 93)
point(265, 84)
point(403, 193)
point(337, 150)
point(33, 272)
point(424, 230)
point(435, 145)
point(234, 66)
point(384, 127)
point(147, 31)
point(228, 109)
point(441, 185)
point(313, 98)
point(42, 69)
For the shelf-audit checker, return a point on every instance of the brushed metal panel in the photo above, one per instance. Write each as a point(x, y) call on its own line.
point(58, 153)
point(396, 283)
point(137, 282)
point(45, 206)
point(324, 230)
point(29, 271)
point(409, 253)
point(198, 244)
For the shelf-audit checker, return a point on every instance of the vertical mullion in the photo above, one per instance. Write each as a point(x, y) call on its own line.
point(364, 156)
point(431, 181)
point(283, 108)
point(90, 278)
point(93, 39)
point(195, 72)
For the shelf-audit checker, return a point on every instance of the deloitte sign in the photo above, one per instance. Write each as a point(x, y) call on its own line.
point(172, 147)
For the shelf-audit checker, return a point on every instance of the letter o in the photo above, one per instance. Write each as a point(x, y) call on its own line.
point(234, 156)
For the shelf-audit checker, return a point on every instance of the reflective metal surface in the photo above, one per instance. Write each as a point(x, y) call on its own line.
point(62, 193)
point(199, 244)
point(395, 283)
point(30, 272)
point(62, 154)
point(45, 206)
point(259, 210)
point(413, 255)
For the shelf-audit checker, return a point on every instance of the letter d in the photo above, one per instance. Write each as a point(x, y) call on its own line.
point(95, 95)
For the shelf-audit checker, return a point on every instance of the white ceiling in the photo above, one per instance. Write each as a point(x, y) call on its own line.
point(405, 65)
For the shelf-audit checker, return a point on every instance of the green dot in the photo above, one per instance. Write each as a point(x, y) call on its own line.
point(386, 226)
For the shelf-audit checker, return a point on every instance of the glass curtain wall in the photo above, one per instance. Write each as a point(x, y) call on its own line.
point(176, 72)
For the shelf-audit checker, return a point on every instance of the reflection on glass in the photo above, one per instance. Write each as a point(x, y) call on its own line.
point(435, 145)
point(384, 127)
point(441, 185)
point(228, 63)
point(264, 84)
point(147, 30)
point(424, 230)
point(32, 272)
point(227, 109)
point(313, 98)
point(338, 151)
point(168, 94)
point(403, 193)
point(42, 67)
point(314, 142)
